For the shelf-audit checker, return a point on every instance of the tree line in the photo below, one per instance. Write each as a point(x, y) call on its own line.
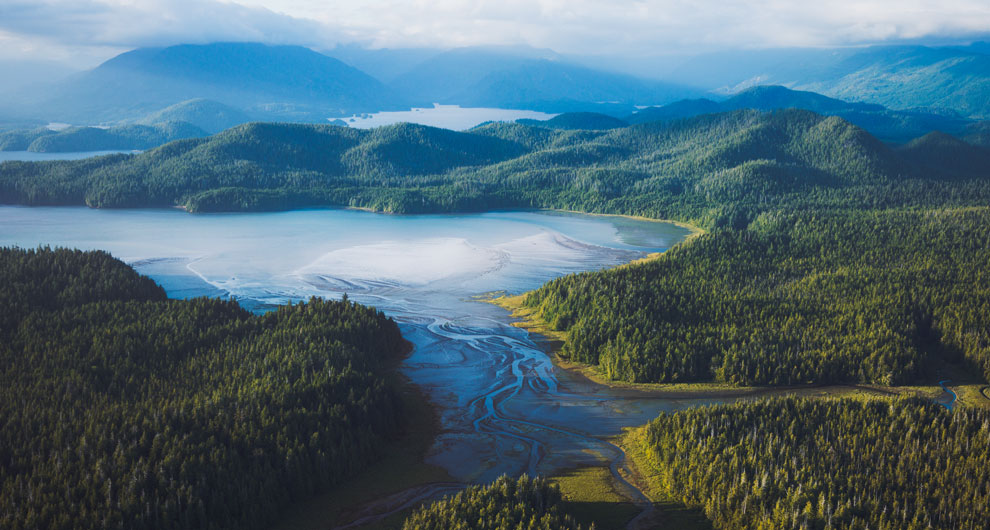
point(123, 409)
point(506, 504)
point(797, 463)
point(811, 297)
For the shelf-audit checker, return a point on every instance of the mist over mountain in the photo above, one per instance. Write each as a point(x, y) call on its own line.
point(210, 116)
point(896, 92)
point(277, 82)
point(384, 64)
point(526, 78)
point(945, 79)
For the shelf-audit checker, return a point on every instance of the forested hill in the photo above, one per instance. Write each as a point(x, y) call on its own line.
point(841, 464)
point(802, 297)
point(122, 409)
point(714, 170)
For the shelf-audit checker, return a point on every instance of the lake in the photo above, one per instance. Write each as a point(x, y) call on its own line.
point(446, 116)
point(504, 407)
point(31, 156)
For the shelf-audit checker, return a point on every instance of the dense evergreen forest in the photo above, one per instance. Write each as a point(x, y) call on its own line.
point(718, 170)
point(809, 297)
point(830, 257)
point(122, 409)
point(506, 504)
point(816, 464)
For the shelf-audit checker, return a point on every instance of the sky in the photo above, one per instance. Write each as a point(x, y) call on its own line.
point(82, 33)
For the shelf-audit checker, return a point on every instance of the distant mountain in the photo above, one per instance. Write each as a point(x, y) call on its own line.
point(949, 79)
point(577, 120)
point(886, 124)
point(437, 79)
point(384, 64)
point(978, 133)
point(684, 108)
point(77, 139)
point(210, 116)
point(944, 154)
point(537, 81)
point(904, 77)
point(274, 82)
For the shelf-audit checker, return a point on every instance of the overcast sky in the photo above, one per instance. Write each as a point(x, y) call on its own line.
point(85, 32)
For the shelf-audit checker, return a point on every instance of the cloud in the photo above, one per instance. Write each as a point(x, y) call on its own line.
point(81, 27)
point(590, 27)
point(638, 26)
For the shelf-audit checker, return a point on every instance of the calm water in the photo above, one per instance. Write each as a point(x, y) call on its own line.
point(446, 116)
point(504, 407)
point(30, 156)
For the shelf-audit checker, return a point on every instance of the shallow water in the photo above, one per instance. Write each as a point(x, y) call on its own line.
point(504, 408)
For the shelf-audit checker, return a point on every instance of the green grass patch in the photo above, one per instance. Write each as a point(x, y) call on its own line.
point(670, 513)
point(590, 496)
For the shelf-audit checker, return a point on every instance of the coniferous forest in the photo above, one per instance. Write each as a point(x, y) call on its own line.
point(803, 297)
point(506, 504)
point(837, 464)
point(755, 237)
point(123, 409)
point(829, 257)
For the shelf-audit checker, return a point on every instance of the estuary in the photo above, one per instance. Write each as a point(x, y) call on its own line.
point(503, 406)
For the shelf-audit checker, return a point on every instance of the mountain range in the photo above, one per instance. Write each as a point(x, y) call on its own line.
point(884, 123)
point(215, 86)
point(535, 80)
point(946, 79)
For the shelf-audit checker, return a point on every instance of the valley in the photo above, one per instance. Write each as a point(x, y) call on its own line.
point(270, 273)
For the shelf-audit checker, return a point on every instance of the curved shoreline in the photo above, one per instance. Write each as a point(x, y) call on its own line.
point(552, 340)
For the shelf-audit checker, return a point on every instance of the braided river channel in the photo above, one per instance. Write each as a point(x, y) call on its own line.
point(503, 406)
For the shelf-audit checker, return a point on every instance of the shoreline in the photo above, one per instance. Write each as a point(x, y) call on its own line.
point(553, 341)
point(694, 229)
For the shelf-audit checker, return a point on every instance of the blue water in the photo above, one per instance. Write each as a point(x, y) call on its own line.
point(503, 406)
point(30, 156)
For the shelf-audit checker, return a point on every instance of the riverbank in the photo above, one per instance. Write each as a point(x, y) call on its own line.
point(968, 393)
point(402, 471)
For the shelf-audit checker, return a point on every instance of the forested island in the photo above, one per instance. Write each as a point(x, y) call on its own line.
point(124, 409)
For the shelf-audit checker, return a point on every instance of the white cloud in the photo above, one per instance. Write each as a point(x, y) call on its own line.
point(76, 29)
point(593, 27)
